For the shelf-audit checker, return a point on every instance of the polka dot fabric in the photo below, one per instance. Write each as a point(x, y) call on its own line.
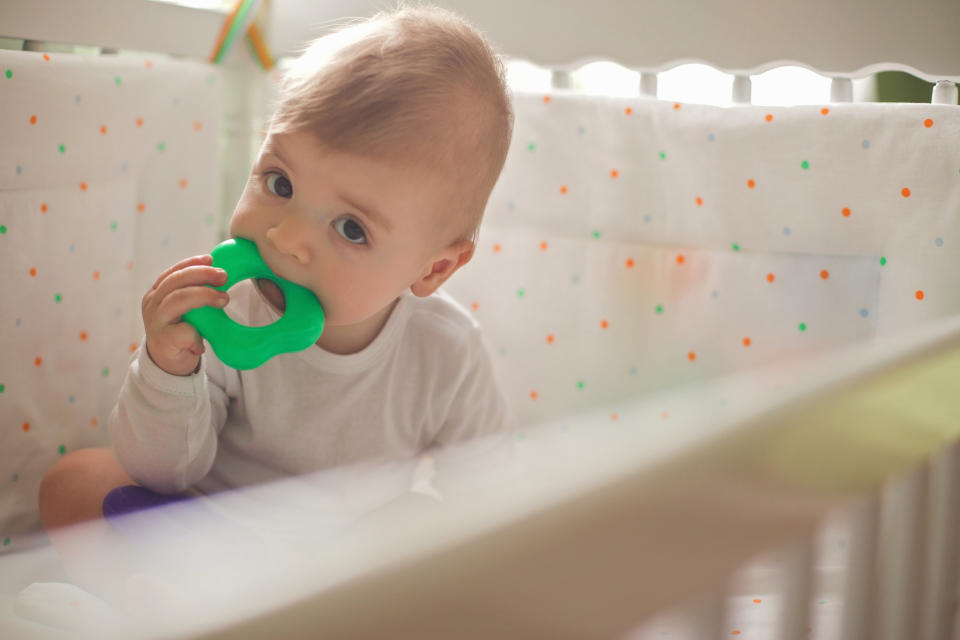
point(631, 245)
point(108, 174)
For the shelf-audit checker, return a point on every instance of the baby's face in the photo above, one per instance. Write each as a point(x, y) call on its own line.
point(357, 231)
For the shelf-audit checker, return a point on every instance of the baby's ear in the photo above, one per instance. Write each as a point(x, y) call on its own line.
point(442, 266)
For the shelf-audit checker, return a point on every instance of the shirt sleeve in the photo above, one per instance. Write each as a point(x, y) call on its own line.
point(164, 427)
point(477, 437)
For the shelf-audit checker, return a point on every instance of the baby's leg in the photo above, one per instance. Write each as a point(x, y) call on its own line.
point(72, 493)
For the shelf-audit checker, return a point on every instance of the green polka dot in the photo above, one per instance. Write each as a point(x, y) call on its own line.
point(9, 75)
point(660, 309)
point(57, 298)
point(6, 541)
point(105, 371)
point(211, 79)
point(117, 80)
point(580, 384)
point(521, 436)
point(520, 293)
point(2, 387)
point(596, 233)
point(804, 165)
point(63, 148)
point(3, 228)
point(531, 147)
point(802, 326)
point(663, 155)
point(883, 260)
point(113, 225)
point(736, 247)
point(210, 219)
point(161, 146)
point(62, 449)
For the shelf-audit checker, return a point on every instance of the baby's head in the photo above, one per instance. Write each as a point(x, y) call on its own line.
point(385, 144)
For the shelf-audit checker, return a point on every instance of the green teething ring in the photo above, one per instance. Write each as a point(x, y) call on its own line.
point(244, 347)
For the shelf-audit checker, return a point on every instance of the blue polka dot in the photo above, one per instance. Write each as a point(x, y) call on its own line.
point(786, 231)
point(76, 99)
point(166, 241)
point(646, 219)
point(16, 477)
point(711, 137)
point(576, 279)
point(118, 311)
point(864, 312)
point(18, 322)
point(633, 371)
point(72, 247)
point(123, 167)
point(939, 242)
point(503, 351)
point(581, 130)
point(714, 294)
point(176, 100)
point(511, 206)
point(19, 169)
point(71, 399)
point(865, 144)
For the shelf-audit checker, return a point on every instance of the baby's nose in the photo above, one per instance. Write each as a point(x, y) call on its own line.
point(288, 242)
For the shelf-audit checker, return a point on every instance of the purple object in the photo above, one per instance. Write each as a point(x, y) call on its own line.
point(132, 497)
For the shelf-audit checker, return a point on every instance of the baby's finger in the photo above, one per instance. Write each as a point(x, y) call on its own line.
point(192, 276)
point(172, 308)
point(203, 259)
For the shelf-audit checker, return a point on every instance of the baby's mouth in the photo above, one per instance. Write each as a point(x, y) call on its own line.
point(272, 293)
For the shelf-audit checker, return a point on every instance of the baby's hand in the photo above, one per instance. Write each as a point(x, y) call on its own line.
point(174, 345)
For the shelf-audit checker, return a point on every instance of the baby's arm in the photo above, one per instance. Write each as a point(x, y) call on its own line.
point(171, 406)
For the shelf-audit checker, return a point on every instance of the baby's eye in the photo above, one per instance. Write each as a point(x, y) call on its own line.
point(277, 183)
point(349, 229)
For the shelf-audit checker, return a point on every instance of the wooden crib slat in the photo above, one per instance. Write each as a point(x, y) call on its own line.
point(797, 564)
point(940, 587)
point(860, 592)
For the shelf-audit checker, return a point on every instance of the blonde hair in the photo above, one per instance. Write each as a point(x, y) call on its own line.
point(413, 84)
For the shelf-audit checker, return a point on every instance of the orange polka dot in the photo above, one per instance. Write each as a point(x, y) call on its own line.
point(534, 395)
point(496, 248)
point(630, 263)
point(699, 201)
point(139, 122)
point(746, 342)
point(846, 212)
point(94, 422)
point(543, 246)
point(103, 129)
point(148, 64)
point(664, 415)
point(549, 338)
point(46, 57)
point(751, 184)
point(680, 259)
point(770, 277)
point(183, 183)
point(33, 119)
point(33, 272)
point(628, 111)
point(919, 294)
point(614, 417)
point(25, 427)
point(905, 192)
point(824, 274)
point(928, 123)
point(37, 361)
point(735, 632)
point(768, 117)
point(474, 305)
point(197, 126)
point(604, 324)
point(563, 189)
point(546, 98)
point(614, 173)
point(83, 186)
point(824, 111)
point(96, 275)
point(141, 207)
point(676, 105)
point(83, 335)
point(691, 356)
point(757, 600)
point(43, 207)
point(133, 347)
point(129, 266)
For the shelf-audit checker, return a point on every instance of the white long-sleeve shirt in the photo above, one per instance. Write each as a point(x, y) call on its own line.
point(426, 380)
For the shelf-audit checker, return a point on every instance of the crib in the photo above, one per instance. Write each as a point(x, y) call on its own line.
point(730, 335)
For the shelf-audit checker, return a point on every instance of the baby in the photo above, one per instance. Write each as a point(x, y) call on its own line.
point(385, 144)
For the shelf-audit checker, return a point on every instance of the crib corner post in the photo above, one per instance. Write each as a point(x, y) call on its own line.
point(944, 92)
point(742, 89)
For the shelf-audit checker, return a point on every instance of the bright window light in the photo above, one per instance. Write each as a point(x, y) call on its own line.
point(696, 83)
point(524, 76)
point(606, 78)
point(785, 86)
point(226, 6)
